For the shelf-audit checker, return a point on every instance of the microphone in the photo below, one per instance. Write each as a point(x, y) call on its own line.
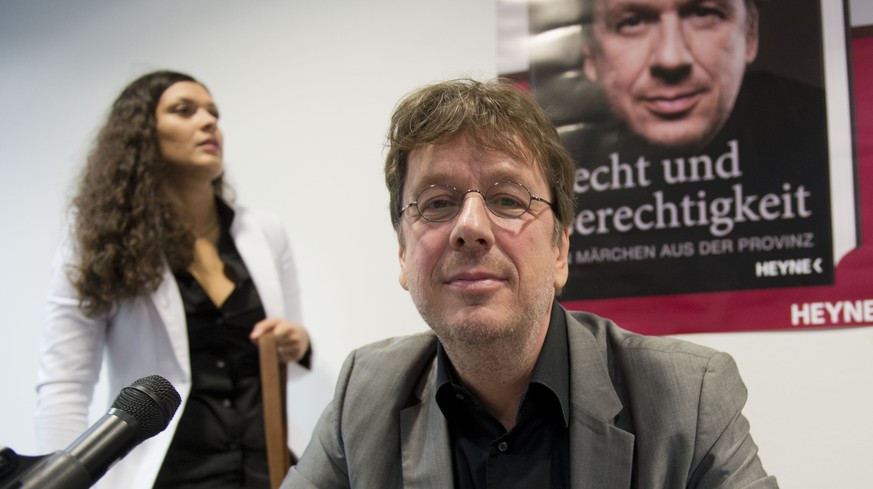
point(142, 410)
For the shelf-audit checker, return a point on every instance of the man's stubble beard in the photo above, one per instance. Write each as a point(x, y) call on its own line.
point(492, 348)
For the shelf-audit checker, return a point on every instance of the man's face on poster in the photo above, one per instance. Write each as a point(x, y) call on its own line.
point(671, 69)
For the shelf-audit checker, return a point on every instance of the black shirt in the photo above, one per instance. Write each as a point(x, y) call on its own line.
point(535, 452)
point(219, 442)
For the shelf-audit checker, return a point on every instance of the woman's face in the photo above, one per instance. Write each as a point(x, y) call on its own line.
point(187, 125)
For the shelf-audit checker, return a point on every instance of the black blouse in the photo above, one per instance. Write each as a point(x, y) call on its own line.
point(219, 442)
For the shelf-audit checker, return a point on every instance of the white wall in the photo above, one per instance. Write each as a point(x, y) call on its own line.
point(305, 90)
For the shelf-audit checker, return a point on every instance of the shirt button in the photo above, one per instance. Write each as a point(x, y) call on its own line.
point(459, 396)
point(220, 364)
point(226, 403)
point(219, 321)
point(502, 446)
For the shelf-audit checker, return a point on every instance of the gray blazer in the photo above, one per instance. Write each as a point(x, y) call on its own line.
point(647, 413)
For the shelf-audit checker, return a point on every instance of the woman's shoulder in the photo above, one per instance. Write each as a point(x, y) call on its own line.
point(248, 220)
point(250, 216)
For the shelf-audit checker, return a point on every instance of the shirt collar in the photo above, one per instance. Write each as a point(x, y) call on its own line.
point(225, 245)
point(225, 214)
point(551, 371)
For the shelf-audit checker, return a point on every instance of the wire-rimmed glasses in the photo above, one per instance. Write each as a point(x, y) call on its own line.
point(506, 199)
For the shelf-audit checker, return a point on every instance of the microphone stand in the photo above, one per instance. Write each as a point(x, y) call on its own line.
point(13, 465)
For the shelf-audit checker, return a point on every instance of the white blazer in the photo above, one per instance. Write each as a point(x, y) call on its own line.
point(143, 336)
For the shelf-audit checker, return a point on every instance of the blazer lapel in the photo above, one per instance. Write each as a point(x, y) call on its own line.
point(601, 453)
point(258, 257)
point(168, 303)
point(426, 458)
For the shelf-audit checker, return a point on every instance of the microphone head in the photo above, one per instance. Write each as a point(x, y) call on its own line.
point(151, 401)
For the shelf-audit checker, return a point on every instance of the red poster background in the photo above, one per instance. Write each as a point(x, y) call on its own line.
point(771, 309)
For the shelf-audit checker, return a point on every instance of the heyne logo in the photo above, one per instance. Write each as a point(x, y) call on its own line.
point(836, 313)
point(780, 268)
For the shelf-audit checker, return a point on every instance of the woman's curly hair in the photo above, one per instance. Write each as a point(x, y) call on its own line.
point(126, 228)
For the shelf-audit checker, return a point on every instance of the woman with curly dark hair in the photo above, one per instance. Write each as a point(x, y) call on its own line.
point(161, 274)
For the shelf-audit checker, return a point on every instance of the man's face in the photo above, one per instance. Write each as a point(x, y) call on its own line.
point(671, 69)
point(479, 278)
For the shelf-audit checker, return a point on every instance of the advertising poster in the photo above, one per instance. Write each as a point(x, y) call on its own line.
point(716, 180)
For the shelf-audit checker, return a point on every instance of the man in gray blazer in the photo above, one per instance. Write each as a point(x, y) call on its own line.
point(509, 389)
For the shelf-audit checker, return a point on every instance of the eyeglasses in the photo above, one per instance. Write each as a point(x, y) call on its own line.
point(507, 199)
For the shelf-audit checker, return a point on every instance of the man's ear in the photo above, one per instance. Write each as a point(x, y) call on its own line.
point(562, 250)
point(402, 278)
point(588, 63)
point(752, 35)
